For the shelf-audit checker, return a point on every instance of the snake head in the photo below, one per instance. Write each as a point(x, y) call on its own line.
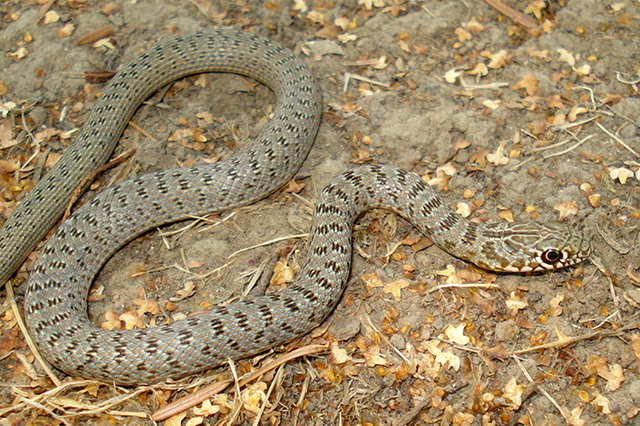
point(532, 246)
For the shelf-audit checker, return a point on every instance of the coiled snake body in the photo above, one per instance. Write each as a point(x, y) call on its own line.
point(56, 304)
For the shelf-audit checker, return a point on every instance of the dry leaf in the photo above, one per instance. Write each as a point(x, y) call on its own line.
point(132, 320)
point(565, 56)
point(51, 16)
point(339, 355)
point(574, 417)
point(463, 35)
point(621, 173)
point(614, 377)
point(515, 303)
point(371, 280)
point(498, 157)
point(452, 75)
point(601, 402)
point(6, 135)
point(480, 70)
point(529, 83)
point(394, 288)
point(497, 60)
point(565, 209)
point(188, 290)
point(513, 393)
point(635, 344)
point(536, 7)
point(456, 334)
point(253, 396)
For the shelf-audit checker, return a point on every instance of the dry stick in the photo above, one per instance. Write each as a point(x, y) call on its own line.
point(196, 398)
point(37, 174)
point(566, 126)
point(570, 340)
point(44, 9)
point(138, 128)
point(275, 380)
point(571, 148)
point(620, 141)
point(237, 401)
point(43, 408)
point(266, 243)
point(529, 25)
point(303, 394)
point(90, 177)
point(27, 337)
point(544, 392)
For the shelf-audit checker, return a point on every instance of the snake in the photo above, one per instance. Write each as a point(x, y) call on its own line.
point(55, 302)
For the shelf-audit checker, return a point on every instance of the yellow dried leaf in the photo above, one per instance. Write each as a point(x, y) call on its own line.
point(463, 209)
point(448, 360)
point(282, 273)
point(613, 376)
point(498, 157)
point(339, 355)
point(474, 26)
point(565, 56)
point(452, 75)
point(206, 409)
point(20, 53)
point(480, 70)
point(583, 69)
point(574, 417)
point(513, 393)
point(253, 396)
point(51, 16)
point(529, 83)
point(188, 290)
point(371, 280)
point(635, 344)
point(463, 35)
point(132, 320)
point(394, 288)
point(602, 403)
point(456, 334)
point(536, 7)
point(555, 302)
point(506, 215)
point(565, 209)
point(515, 303)
point(621, 173)
point(372, 356)
point(497, 60)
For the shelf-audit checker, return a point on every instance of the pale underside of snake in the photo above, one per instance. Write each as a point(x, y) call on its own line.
point(56, 299)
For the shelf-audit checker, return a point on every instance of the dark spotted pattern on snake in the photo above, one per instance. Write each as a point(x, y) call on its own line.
point(56, 300)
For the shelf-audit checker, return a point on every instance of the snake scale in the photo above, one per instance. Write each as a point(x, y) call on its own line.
point(56, 298)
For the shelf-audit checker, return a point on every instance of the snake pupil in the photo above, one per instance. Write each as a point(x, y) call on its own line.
point(551, 256)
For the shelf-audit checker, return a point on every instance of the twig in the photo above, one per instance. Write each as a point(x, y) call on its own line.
point(275, 380)
point(27, 337)
point(566, 126)
point(544, 392)
point(620, 141)
point(266, 243)
point(571, 148)
point(519, 18)
point(196, 398)
point(90, 177)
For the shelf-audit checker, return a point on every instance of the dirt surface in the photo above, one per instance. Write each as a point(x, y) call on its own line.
point(506, 124)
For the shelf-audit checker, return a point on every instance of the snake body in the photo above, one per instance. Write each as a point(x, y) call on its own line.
point(56, 302)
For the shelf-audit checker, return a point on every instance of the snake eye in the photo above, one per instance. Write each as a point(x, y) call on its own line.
point(551, 256)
